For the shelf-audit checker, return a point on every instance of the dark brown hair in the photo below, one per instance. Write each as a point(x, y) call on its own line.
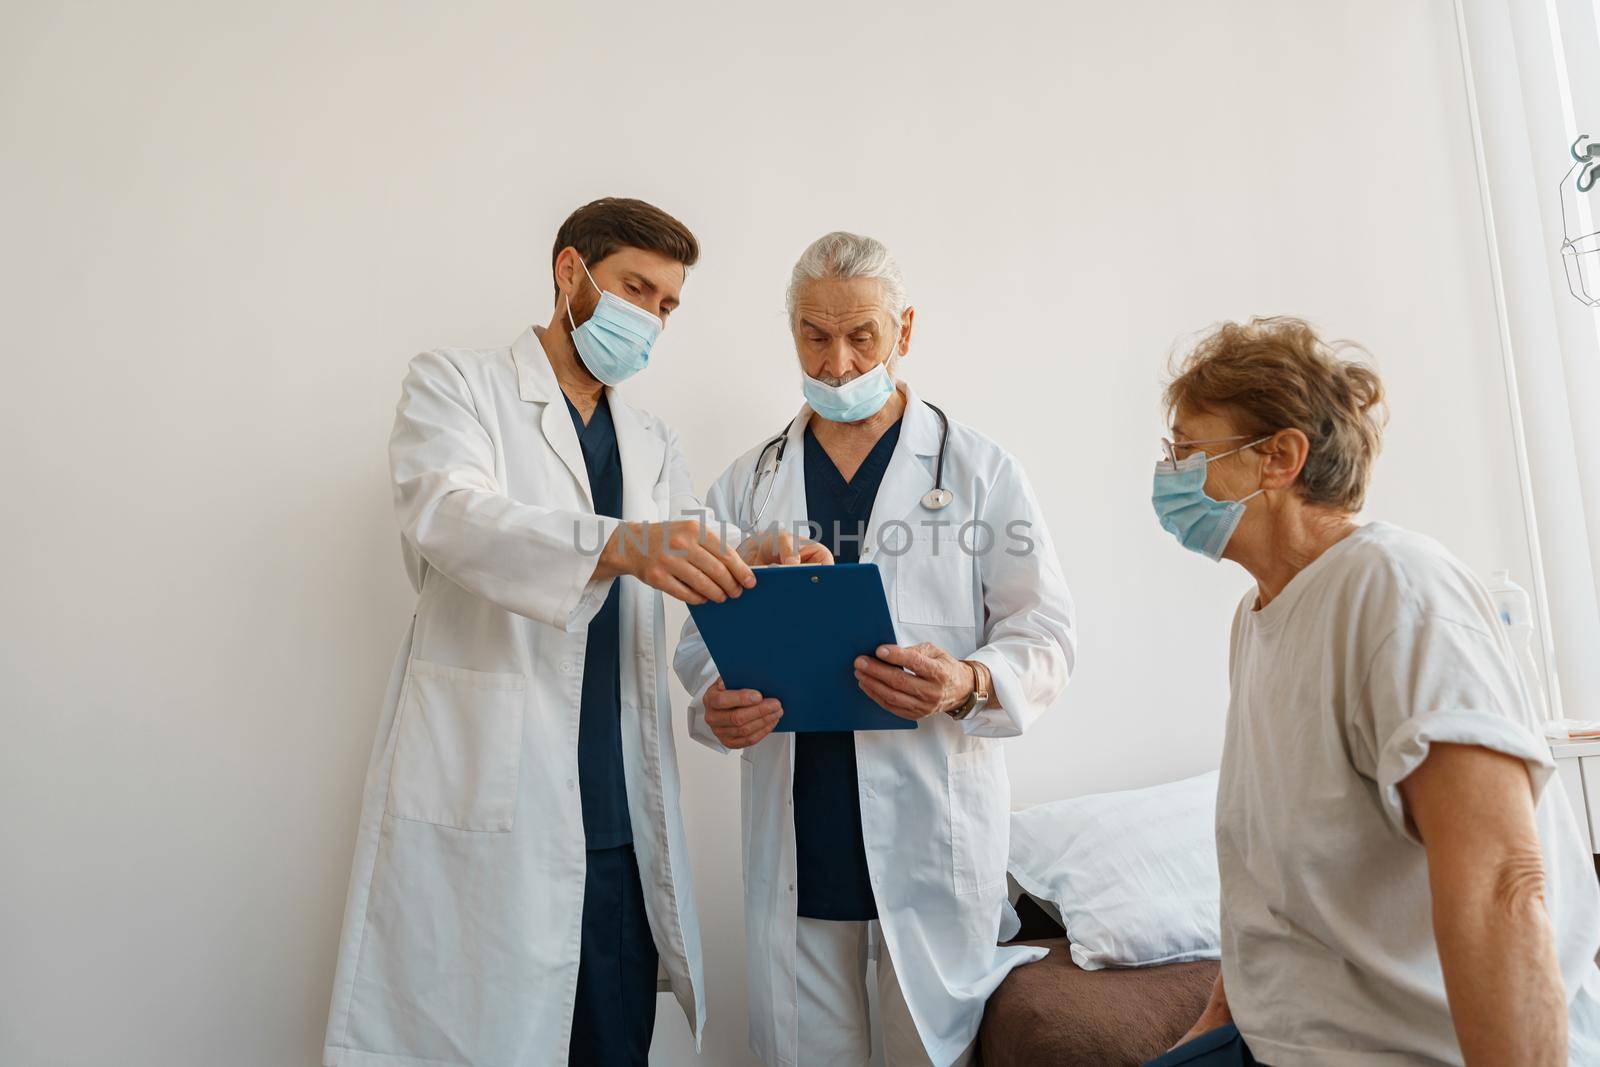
point(603, 226)
point(1272, 374)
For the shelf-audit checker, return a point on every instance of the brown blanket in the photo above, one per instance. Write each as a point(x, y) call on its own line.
point(1054, 1012)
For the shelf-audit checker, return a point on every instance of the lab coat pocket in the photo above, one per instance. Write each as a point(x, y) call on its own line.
point(933, 583)
point(458, 754)
point(980, 796)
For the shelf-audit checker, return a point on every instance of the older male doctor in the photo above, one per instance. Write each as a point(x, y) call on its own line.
point(903, 829)
point(520, 865)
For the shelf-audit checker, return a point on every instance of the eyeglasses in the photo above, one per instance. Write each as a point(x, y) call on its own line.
point(1170, 448)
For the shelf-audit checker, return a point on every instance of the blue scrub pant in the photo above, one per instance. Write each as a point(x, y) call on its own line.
point(615, 1012)
point(1222, 1047)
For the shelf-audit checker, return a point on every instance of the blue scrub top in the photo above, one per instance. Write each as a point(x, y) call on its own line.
point(830, 858)
point(601, 784)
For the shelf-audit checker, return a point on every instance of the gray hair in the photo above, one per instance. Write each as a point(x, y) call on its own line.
point(844, 255)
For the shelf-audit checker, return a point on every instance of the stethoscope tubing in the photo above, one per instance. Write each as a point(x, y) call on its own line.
point(935, 499)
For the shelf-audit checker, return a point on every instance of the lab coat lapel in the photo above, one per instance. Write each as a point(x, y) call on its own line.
point(536, 383)
point(556, 422)
point(642, 455)
point(906, 480)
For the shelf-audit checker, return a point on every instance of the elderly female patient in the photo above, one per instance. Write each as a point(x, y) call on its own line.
point(1400, 885)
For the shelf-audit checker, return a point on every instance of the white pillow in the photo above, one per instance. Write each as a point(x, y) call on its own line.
point(1133, 874)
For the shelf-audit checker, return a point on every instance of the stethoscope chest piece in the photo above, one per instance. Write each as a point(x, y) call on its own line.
point(937, 499)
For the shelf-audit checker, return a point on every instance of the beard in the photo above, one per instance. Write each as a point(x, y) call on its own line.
point(582, 307)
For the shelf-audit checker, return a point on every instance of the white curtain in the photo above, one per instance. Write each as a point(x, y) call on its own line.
point(1531, 70)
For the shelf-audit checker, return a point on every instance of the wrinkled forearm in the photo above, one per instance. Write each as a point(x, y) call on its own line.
point(1498, 955)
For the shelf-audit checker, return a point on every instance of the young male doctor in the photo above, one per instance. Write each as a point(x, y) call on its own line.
point(520, 865)
point(902, 830)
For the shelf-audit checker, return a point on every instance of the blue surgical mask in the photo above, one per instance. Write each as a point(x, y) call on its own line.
point(1200, 523)
point(860, 398)
point(615, 343)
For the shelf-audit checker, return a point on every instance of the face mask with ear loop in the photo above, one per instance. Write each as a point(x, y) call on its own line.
point(1200, 523)
point(615, 342)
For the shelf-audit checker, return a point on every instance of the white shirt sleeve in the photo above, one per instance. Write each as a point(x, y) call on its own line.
point(1439, 680)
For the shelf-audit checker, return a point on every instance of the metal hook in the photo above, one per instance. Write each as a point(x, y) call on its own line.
point(1586, 162)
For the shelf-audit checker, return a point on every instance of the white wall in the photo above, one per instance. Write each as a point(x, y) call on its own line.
point(228, 227)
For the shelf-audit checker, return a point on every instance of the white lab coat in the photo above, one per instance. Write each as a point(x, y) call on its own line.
point(462, 924)
point(934, 802)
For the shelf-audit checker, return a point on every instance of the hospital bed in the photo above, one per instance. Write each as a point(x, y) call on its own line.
point(1054, 1012)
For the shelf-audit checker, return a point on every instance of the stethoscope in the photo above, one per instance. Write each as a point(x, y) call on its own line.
point(771, 456)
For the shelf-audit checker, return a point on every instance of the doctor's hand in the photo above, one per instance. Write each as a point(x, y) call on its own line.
point(739, 717)
point(775, 545)
point(915, 681)
point(683, 559)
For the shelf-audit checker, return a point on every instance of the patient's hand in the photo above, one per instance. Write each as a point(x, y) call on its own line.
point(1204, 1025)
point(740, 717)
point(1215, 1015)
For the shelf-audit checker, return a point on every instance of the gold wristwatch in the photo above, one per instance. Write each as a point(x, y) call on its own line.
point(979, 697)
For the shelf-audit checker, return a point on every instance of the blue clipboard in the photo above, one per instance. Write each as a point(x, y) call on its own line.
point(795, 637)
